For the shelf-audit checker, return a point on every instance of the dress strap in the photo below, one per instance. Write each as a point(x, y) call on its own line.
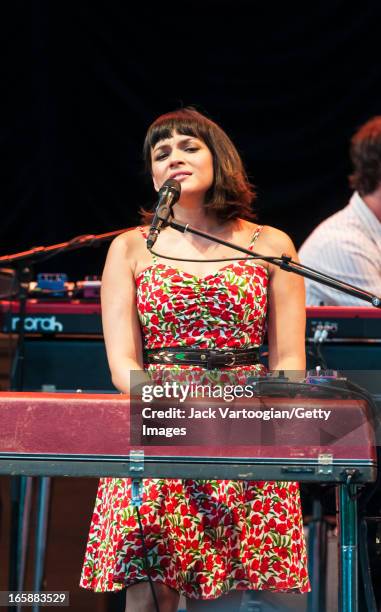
point(255, 235)
point(142, 231)
point(144, 234)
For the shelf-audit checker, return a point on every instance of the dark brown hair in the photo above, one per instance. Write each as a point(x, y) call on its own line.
point(231, 194)
point(366, 157)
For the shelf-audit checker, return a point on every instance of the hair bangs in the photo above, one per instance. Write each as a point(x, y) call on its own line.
point(166, 130)
point(184, 123)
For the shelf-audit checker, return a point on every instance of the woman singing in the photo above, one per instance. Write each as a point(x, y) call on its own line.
point(207, 540)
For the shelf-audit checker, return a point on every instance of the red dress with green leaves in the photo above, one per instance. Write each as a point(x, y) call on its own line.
point(204, 537)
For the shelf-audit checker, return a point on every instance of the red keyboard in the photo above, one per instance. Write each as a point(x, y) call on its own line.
point(89, 435)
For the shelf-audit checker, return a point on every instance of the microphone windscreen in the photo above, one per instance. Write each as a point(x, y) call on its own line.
point(171, 185)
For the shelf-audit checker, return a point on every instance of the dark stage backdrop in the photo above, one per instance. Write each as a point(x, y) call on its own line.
point(82, 81)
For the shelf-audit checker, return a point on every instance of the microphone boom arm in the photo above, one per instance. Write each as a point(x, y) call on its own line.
point(286, 263)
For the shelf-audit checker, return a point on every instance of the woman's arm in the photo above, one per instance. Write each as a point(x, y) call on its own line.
point(287, 313)
point(121, 327)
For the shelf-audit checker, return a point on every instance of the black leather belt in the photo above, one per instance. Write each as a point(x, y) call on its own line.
point(207, 358)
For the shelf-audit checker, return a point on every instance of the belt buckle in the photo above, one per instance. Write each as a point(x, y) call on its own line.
point(214, 359)
point(232, 357)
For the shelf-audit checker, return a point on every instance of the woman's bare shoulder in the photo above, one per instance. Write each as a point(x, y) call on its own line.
point(126, 249)
point(130, 240)
point(276, 241)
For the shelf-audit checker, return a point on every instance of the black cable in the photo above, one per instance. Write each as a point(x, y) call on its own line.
point(243, 258)
point(156, 603)
point(285, 387)
point(347, 387)
point(375, 486)
point(320, 356)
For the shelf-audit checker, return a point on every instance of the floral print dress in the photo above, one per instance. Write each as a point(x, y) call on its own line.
point(203, 537)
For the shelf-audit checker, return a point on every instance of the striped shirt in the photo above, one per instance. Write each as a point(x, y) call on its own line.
point(346, 246)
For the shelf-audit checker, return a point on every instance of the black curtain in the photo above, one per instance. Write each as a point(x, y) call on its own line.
point(82, 81)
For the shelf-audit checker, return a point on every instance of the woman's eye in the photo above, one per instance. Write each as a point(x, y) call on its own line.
point(191, 149)
point(160, 156)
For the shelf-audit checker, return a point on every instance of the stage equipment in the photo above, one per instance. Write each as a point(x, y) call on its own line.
point(344, 338)
point(59, 334)
point(343, 323)
point(89, 435)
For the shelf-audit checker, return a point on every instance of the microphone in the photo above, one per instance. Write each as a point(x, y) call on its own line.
point(169, 193)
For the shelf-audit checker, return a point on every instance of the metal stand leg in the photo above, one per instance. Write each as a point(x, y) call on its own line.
point(21, 501)
point(21, 494)
point(348, 548)
point(41, 534)
point(317, 559)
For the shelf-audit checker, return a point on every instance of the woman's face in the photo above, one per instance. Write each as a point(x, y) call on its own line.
point(187, 160)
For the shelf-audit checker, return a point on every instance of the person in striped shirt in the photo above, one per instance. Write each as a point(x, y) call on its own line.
point(347, 245)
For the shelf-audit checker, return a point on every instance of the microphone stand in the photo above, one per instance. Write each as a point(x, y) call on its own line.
point(286, 263)
point(41, 253)
point(21, 486)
